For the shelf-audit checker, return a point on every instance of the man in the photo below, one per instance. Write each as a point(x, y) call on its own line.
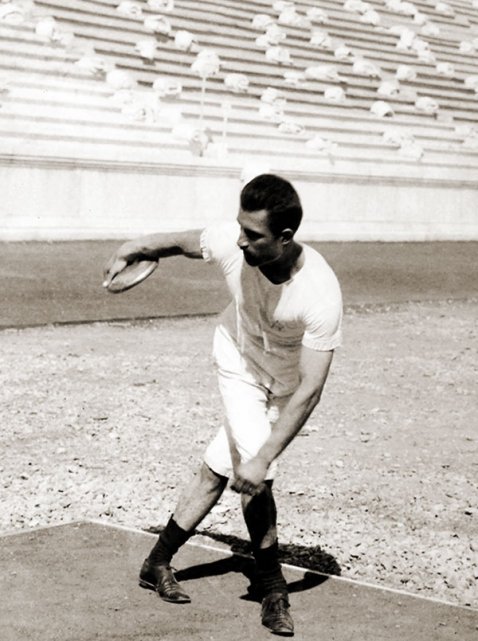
point(273, 347)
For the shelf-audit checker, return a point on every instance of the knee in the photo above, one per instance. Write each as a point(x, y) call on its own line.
point(210, 480)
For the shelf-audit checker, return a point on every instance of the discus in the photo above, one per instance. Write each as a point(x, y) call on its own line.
point(132, 275)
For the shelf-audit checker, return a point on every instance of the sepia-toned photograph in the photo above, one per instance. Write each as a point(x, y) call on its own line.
point(239, 320)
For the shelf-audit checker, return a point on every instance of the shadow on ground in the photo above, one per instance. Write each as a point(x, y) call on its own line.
point(308, 558)
point(78, 582)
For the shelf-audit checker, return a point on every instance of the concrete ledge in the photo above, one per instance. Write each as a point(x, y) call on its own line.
point(64, 199)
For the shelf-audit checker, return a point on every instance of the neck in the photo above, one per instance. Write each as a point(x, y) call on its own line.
point(281, 270)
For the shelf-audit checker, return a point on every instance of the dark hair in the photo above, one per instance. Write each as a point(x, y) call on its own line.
point(278, 197)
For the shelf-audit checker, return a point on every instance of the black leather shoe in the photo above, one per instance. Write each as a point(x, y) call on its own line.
point(160, 578)
point(275, 614)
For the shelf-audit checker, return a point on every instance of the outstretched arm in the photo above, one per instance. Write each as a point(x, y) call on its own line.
point(153, 247)
point(314, 368)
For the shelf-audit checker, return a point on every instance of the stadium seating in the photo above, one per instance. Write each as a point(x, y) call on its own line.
point(384, 88)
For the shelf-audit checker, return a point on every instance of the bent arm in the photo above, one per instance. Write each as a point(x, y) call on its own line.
point(314, 368)
point(153, 247)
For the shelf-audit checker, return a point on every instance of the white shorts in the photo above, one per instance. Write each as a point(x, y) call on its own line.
point(250, 409)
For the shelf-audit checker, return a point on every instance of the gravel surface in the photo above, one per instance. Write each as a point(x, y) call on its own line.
point(108, 420)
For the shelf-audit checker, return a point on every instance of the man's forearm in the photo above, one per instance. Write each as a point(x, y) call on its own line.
point(292, 418)
point(164, 244)
point(153, 247)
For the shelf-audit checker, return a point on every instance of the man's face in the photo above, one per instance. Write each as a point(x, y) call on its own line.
point(258, 244)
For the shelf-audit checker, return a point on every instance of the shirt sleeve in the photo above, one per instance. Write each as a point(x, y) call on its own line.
point(218, 243)
point(324, 334)
point(323, 318)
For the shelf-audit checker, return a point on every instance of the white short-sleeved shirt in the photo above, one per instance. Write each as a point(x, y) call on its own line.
point(270, 322)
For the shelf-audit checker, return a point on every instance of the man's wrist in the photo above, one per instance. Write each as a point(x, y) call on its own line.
point(132, 250)
point(264, 458)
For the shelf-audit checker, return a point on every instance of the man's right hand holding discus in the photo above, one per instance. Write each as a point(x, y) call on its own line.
point(136, 259)
point(126, 268)
point(115, 264)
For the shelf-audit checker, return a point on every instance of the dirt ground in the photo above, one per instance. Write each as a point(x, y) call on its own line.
point(107, 420)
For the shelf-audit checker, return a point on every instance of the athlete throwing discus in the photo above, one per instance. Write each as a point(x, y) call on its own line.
point(273, 347)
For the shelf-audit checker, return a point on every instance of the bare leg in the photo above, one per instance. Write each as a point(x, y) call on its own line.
point(196, 501)
point(198, 498)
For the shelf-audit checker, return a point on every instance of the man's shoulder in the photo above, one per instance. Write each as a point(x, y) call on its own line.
point(315, 264)
point(318, 280)
point(218, 241)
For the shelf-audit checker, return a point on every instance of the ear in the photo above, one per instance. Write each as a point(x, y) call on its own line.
point(286, 236)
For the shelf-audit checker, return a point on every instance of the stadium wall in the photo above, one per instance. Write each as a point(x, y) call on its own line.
point(60, 200)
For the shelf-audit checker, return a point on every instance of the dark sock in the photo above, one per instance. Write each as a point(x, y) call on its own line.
point(169, 542)
point(269, 570)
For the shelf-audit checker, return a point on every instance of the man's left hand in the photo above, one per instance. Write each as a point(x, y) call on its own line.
point(250, 476)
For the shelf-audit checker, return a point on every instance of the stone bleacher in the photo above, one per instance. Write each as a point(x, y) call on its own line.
point(77, 89)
